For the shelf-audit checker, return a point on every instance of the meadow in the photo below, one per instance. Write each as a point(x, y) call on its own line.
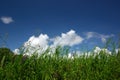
point(57, 67)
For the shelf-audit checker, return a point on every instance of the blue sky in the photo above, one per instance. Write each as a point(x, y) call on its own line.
point(26, 18)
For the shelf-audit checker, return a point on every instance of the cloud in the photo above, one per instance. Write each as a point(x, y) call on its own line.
point(97, 35)
point(87, 54)
point(34, 44)
point(97, 50)
point(16, 51)
point(6, 20)
point(68, 39)
point(41, 43)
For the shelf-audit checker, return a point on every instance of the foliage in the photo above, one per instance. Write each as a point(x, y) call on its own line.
point(55, 67)
point(5, 55)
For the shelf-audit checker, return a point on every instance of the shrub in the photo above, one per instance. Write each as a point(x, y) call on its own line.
point(5, 55)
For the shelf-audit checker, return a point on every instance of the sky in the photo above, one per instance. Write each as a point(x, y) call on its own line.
point(75, 23)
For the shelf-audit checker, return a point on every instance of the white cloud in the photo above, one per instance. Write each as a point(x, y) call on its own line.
point(40, 44)
point(97, 35)
point(97, 50)
point(16, 51)
point(41, 41)
point(34, 45)
point(68, 39)
point(6, 20)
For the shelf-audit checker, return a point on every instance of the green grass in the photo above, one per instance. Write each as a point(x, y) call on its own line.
point(56, 67)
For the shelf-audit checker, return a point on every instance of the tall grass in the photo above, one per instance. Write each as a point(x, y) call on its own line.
point(57, 67)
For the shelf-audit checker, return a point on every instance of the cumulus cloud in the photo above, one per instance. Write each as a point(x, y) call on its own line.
point(68, 39)
point(97, 35)
point(6, 20)
point(41, 43)
point(16, 51)
point(34, 45)
point(97, 50)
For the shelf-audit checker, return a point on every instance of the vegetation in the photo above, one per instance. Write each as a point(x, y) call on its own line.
point(57, 67)
point(5, 55)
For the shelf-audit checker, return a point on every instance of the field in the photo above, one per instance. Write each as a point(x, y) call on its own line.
point(57, 67)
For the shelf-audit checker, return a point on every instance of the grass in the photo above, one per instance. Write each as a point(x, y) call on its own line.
point(56, 67)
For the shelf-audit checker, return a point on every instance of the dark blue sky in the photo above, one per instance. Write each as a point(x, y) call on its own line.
point(52, 17)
